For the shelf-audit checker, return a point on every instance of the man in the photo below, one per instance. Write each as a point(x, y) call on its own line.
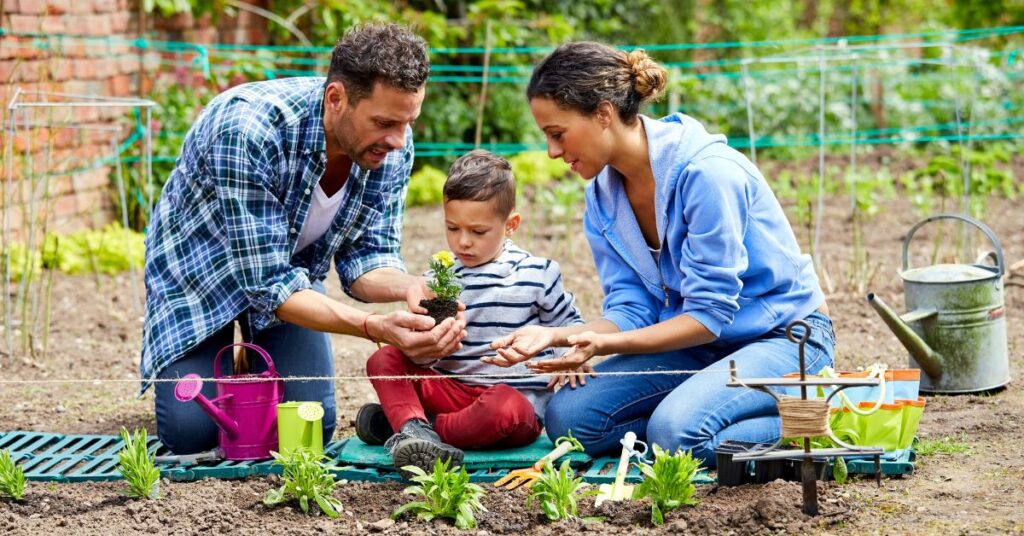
point(275, 179)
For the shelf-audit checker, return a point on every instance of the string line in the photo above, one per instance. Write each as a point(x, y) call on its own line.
point(255, 378)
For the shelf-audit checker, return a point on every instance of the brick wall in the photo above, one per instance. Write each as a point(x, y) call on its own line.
point(79, 190)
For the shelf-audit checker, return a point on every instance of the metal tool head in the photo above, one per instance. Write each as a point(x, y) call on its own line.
point(518, 477)
point(188, 387)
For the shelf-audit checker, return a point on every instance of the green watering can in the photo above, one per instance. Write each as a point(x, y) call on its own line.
point(955, 327)
point(298, 425)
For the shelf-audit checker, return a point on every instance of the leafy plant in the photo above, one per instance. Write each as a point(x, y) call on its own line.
point(558, 492)
point(137, 465)
point(305, 479)
point(12, 477)
point(668, 482)
point(426, 187)
point(445, 493)
point(443, 281)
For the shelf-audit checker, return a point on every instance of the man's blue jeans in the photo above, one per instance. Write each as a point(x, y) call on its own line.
point(186, 429)
point(690, 412)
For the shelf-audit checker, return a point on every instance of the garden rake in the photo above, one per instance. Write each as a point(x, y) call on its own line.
point(527, 476)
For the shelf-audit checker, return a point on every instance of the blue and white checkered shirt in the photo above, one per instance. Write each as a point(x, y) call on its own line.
point(223, 234)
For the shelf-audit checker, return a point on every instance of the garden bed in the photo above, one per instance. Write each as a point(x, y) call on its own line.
point(970, 481)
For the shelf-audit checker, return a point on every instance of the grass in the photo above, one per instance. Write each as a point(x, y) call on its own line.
point(946, 445)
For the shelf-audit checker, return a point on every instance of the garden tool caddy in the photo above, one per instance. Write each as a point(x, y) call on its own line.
point(955, 327)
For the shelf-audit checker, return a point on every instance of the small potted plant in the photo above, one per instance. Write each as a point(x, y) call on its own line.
point(443, 282)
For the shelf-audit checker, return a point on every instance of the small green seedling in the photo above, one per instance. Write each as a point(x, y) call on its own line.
point(668, 482)
point(137, 465)
point(306, 478)
point(445, 493)
point(558, 492)
point(12, 477)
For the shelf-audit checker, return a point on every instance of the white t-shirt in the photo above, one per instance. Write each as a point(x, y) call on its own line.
point(322, 210)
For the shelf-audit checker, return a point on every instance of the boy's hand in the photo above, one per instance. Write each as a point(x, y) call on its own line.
point(520, 345)
point(572, 377)
point(584, 346)
point(418, 292)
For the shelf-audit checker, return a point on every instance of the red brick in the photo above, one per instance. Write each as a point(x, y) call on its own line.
point(91, 180)
point(7, 69)
point(65, 206)
point(58, 7)
point(54, 25)
point(121, 85)
point(21, 24)
point(129, 64)
point(92, 200)
point(11, 6)
point(85, 69)
point(81, 7)
point(60, 70)
point(106, 6)
point(32, 7)
point(119, 22)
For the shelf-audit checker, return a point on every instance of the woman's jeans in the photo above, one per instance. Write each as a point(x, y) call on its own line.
point(185, 428)
point(687, 411)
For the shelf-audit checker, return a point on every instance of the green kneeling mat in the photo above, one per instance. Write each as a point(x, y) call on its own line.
point(356, 452)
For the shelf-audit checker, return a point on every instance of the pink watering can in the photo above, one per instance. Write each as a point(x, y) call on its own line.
point(245, 408)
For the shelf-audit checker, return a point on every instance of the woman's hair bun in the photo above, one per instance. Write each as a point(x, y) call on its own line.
point(649, 77)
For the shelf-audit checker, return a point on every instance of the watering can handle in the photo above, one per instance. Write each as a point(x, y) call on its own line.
point(1000, 262)
point(263, 353)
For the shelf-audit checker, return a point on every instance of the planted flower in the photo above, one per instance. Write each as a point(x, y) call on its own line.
point(443, 493)
point(443, 282)
point(306, 480)
point(138, 466)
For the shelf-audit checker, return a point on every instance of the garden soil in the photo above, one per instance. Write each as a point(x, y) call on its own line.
point(973, 489)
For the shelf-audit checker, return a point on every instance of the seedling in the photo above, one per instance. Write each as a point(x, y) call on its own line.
point(668, 482)
point(444, 284)
point(12, 477)
point(137, 465)
point(558, 492)
point(445, 493)
point(306, 479)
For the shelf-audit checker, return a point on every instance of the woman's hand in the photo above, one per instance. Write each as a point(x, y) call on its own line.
point(573, 377)
point(584, 346)
point(520, 345)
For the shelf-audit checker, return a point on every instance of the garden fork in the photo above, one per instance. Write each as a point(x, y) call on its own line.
point(527, 476)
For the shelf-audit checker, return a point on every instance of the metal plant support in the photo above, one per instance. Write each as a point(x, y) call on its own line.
point(21, 122)
point(813, 414)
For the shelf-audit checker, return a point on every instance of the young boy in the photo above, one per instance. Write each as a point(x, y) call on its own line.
point(505, 288)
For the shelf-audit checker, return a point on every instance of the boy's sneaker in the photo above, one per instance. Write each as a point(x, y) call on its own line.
point(372, 426)
point(419, 445)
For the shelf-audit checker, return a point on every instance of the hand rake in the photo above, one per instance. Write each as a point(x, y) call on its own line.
point(527, 476)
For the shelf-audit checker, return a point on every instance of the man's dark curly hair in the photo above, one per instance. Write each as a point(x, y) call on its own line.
point(372, 53)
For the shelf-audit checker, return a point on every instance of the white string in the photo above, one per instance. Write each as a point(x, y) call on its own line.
point(412, 377)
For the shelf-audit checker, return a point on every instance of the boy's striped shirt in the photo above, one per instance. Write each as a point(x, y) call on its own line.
point(514, 290)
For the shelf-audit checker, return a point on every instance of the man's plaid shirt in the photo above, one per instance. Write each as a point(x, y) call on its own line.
point(222, 238)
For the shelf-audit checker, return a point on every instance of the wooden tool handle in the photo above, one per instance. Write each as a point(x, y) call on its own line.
point(627, 449)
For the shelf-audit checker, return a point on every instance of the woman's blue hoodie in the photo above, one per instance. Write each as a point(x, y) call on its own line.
point(728, 259)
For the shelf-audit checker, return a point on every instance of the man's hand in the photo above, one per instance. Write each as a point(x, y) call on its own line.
point(417, 336)
point(520, 345)
point(584, 346)
point(573, 377)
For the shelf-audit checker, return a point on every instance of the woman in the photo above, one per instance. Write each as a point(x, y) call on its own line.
point(698, 264)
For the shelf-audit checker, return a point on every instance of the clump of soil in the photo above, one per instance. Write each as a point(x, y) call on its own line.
point(440, 309)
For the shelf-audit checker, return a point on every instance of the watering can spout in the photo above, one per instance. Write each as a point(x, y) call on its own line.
point(929, 360)
point(189, 387)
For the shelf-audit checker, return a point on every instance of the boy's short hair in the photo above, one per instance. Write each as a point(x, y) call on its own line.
point(481, 175)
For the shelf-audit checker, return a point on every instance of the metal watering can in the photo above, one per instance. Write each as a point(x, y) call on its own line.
point(245, 408)
point(955, 329)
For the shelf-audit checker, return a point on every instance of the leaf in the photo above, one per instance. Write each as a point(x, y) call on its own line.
point(839, 470)
point(656, 516)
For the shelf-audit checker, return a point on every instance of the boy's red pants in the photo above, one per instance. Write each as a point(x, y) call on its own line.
point(468, 416)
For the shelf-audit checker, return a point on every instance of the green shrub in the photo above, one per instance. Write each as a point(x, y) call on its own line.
point(12, 477)
point(137, 465)
point(558, 492)
point(444, 494)
point(305, 479)
point(426, 187)
point(668, 482)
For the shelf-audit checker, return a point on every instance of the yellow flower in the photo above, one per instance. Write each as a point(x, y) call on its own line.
point(445, 258)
